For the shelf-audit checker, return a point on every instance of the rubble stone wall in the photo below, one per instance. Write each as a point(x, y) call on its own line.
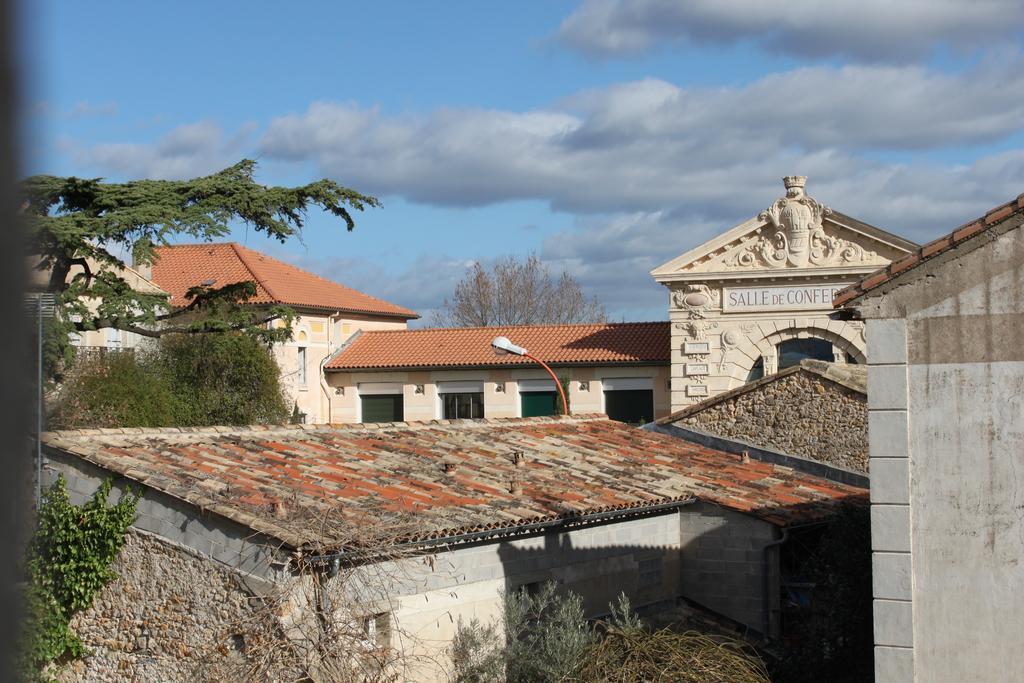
point(800, 414)
point(171, 615)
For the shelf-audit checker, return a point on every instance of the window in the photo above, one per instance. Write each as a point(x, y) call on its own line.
point(381, 402)
point(757, 371)
point(538, 397)
point(793, 351)
point(629, 399)
point(376, 630)
point(302, 366)
point(461, 400)
point(463, 405)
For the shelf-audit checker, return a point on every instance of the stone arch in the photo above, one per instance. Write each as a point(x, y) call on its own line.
point(762, 338)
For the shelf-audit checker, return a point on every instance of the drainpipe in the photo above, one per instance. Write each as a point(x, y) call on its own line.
point(767, 581)
point(331, 319)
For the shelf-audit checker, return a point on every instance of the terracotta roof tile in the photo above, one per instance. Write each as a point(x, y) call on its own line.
point(573, 466)
point(181, 267)
point(931, 250)
point(590, 343)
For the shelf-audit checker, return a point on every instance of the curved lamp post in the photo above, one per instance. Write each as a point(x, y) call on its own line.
point(502, 345)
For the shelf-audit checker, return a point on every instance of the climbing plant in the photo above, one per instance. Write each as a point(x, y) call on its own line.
point(67, 563)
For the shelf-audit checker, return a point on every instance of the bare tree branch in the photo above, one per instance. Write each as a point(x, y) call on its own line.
point(517, 292)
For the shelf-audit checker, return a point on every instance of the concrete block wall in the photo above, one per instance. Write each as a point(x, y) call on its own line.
point(226, 542)
point(597, 563)
point(723, 564)
point(889, 445)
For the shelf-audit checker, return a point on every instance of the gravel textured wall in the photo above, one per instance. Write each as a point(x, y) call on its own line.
point(801, 414)
point(170, 616)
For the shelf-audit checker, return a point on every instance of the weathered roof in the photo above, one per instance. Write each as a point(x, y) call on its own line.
point(586, 343)
point(574, 466)
point(929, 251)
point(178, 268)
point(851, 376)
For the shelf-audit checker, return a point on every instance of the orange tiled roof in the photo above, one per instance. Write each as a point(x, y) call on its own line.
point(367, 473)
point(588, 343)
point(929, 251)
point(181, 267)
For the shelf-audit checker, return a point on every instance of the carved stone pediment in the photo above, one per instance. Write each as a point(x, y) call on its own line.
point(794, 232)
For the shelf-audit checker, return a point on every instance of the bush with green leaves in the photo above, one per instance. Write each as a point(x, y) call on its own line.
point(545, 638)
point(182, 380)
point(540, 639)
point(67, 563)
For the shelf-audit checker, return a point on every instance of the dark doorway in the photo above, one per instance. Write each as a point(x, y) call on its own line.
point(635, 406)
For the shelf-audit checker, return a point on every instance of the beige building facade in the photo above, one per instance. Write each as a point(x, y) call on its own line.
point(504, 392)
point(758, 298)
point(620, 369)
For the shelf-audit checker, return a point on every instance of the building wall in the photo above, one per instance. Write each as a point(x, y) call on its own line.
point(186, 578)
point(171, 615)
point(321, 335)
point(724, 565)
point(802, 414)
point(716, 351)
point(501, 393)
point(946, 428)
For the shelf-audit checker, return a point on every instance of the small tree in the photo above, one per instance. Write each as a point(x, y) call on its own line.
point(183, 380)
point(88, 224)
point(517, 292)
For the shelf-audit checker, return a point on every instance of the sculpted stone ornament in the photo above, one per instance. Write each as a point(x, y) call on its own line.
point(694, 298)
point(794, 236)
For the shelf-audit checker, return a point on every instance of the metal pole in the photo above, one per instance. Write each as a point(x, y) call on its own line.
point(558, 385)
point(39, 403)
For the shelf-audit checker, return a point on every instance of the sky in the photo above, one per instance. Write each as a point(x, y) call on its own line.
point(606, 136)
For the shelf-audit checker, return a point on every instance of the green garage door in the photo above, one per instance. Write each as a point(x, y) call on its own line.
point(383, 408)
point(539, 403)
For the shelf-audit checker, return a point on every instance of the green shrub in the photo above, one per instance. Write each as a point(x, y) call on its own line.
point(184, 380)
point(544, 638)
point(68, 562)
point(122, 389)
point(223, 379)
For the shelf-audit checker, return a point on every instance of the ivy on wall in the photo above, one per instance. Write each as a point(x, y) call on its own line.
point(67, 563)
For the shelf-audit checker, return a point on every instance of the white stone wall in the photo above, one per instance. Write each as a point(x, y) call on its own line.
point(946, 433)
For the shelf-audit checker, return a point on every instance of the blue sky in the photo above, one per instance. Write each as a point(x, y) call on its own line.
point(605, 135)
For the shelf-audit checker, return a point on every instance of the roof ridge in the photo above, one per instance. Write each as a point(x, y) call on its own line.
point(497, 327)
point(333, 283)
point(936, 247)
point(237, 248)
point(230, 430)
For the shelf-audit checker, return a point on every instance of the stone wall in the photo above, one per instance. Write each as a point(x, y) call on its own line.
point(800, 414)
point(171, 615)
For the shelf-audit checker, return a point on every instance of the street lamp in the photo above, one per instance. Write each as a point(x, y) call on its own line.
point(502, 346)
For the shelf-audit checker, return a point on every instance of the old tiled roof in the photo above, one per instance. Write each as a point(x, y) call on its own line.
point(573, 466)
point(930, 251)
point(588, 343)
point(181, 267)
point(853, 377)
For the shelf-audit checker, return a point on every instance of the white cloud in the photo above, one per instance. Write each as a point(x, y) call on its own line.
point(184, 152)
point(865, 30)
point(653, 146)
